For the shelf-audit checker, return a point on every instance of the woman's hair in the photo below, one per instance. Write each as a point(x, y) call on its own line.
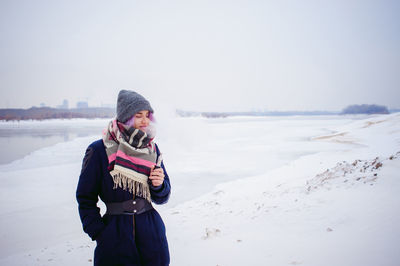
point(131, 121)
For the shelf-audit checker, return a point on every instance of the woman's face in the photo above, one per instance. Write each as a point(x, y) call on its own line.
point(142, 120)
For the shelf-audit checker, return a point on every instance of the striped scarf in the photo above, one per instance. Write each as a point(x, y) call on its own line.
point(131, 154)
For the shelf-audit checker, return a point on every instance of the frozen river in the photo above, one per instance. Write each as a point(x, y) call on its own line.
point(19, 139)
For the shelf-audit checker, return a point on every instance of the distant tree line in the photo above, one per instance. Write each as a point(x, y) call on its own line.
point(183, 113)
point(352, 109)
point(40, 113)
point(365, 109)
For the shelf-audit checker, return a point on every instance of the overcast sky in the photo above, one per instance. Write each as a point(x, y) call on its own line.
point(201, 55)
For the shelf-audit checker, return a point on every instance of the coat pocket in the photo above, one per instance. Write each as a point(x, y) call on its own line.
point(105, 235)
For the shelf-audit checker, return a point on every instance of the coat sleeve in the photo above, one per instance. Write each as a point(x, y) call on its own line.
point(160, 194)
point(87, 193)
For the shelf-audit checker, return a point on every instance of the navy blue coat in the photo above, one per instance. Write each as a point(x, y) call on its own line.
point(121, 239)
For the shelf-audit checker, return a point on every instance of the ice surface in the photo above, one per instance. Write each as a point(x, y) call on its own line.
point(20, 138)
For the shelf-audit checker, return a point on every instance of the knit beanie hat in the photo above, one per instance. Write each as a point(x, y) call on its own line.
point(129, 103)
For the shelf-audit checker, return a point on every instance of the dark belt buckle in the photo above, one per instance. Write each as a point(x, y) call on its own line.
point(129, 206)
point(132, 206)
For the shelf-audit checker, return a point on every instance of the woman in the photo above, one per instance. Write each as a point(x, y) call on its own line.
point(125, 169)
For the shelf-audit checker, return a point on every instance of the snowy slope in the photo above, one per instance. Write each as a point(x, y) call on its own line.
point(329, 208)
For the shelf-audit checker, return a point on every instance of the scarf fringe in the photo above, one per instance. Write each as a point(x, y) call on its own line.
point(128, 184)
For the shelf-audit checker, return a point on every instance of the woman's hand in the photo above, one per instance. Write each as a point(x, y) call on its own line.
point(156, 176)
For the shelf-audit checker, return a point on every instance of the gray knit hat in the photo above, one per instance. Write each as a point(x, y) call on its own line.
point(130, 103)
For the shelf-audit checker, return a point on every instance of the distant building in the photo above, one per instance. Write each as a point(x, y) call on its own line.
point(64, 105)
point(108, 105)
point(82, 105)
point(42, 105)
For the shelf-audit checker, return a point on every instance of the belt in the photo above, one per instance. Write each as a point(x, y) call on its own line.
point(129, 207)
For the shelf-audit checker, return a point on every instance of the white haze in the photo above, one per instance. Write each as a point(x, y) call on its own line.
point(201, 55)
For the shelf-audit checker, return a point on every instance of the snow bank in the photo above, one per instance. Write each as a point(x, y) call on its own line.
point(329, 208)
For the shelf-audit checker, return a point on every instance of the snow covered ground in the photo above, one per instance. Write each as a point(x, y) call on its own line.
point(246, 191)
